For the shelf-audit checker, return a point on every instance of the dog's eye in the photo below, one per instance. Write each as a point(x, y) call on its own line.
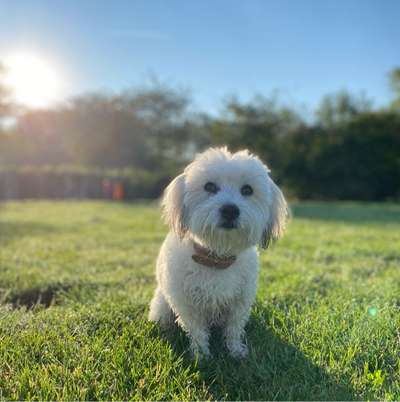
point(246, 190)
point(211, 187)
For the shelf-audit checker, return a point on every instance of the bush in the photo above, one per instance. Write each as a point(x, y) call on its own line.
point(357, 160)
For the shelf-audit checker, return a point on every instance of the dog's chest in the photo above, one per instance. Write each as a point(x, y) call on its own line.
point(213, 289)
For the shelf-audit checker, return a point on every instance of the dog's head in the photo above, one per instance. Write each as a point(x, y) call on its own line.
point(226, 200)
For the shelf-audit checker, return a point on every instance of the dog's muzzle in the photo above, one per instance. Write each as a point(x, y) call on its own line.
point(229, 216)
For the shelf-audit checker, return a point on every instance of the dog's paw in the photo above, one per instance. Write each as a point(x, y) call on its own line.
point(237, 349)
point(200, 354)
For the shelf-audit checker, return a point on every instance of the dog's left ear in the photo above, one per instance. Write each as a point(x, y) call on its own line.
point(173, 206)
point(279, 214)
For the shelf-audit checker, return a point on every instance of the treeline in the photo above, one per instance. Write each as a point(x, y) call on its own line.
point(129, 145)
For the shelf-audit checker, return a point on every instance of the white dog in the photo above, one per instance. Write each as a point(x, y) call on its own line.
point(219, 209)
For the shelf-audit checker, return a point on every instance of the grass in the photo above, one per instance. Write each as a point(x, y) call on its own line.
point(76, 279)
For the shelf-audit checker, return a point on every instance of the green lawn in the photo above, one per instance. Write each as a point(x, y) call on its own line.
point(76, 279)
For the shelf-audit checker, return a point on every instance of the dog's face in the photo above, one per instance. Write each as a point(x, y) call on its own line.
point(228, 201)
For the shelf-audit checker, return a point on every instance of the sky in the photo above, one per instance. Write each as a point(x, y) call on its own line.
point(301, 50)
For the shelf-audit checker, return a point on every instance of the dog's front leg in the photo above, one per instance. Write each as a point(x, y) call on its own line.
point(237, 318)
point(197, 329)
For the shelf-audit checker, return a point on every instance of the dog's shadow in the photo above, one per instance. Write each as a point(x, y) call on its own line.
point(274, 369)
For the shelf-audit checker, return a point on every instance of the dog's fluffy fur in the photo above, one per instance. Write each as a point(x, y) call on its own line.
point(196, 296)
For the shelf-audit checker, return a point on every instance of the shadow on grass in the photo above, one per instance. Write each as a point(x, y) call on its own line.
point(274, 369)
point(348, 212)
point(48, 295)
point(32, 297)
point(18, 230)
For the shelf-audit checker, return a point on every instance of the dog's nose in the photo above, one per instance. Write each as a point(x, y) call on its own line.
point(230, 212)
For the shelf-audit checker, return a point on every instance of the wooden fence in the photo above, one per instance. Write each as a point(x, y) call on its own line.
point(63, 185)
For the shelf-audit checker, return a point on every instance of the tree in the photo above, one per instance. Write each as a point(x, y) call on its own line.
point(261, 125)
point(340, 108)
point(5, 95)
point(394, 83)
point(6, 110)
point(171, 128)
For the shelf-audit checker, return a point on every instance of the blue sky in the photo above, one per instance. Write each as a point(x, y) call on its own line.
point(302, 49)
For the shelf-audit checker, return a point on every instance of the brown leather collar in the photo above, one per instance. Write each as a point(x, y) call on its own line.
point(208, 258)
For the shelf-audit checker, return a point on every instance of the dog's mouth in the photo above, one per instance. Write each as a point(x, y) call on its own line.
point(228, 225)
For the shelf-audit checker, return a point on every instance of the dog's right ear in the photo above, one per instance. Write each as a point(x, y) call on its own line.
point(173, 206)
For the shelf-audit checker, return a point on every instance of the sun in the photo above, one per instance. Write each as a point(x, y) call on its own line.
point(32, 80)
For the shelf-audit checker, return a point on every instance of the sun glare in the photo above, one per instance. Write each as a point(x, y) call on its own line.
point(32, 80)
